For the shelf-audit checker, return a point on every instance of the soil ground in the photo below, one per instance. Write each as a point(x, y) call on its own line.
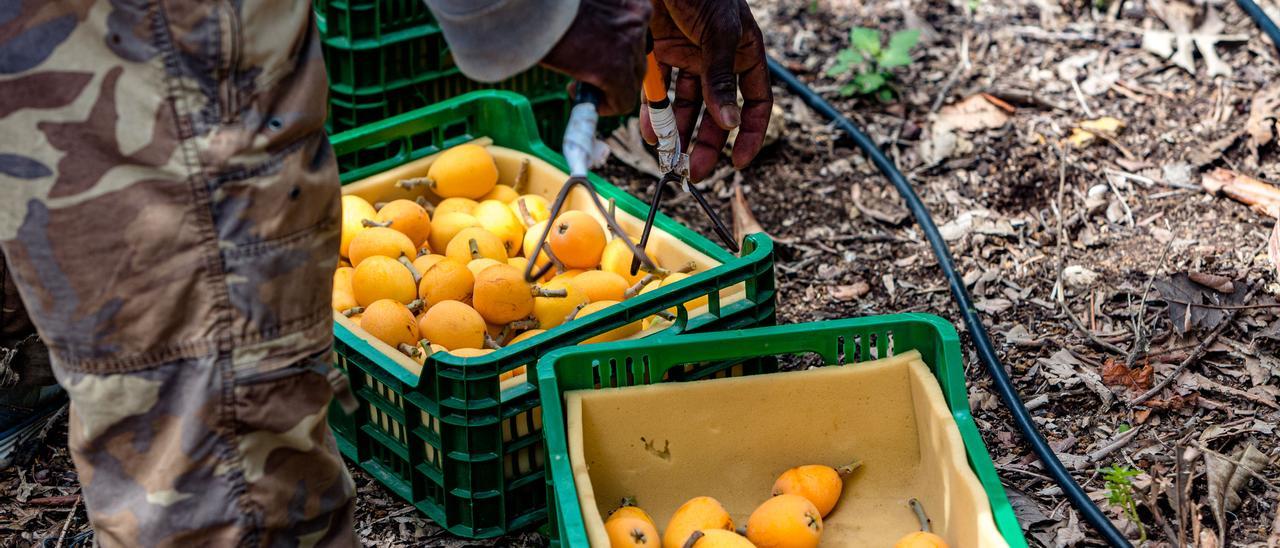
point(846, 247)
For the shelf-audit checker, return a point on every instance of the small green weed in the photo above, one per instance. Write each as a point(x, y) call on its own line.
point(871, 62)
point(1119, 480)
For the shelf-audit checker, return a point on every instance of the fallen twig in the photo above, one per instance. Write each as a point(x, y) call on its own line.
point(1140, 341)
point(62, 500)
point(1062, 261)
point(1225, 306)
point(62, 535)
point(1100, 453)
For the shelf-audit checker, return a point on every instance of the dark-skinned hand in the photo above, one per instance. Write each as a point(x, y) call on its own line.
point(718, 48)
point(604, 46)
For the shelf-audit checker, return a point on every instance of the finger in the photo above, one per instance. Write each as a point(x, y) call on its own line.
point(757, 105)
point(687, 105)
point(706, 150)
point(719, 81)
point(646, 127)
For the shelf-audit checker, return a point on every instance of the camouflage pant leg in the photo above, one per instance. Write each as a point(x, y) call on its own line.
point(169, 208)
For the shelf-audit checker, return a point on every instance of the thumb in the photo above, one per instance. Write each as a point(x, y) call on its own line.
point(719, 81)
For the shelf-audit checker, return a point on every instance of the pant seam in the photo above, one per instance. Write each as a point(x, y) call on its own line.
point(193, 349)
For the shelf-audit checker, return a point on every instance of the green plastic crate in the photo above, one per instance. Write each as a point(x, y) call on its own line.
point(628, 363)
point(452, 442)
point(356, 20)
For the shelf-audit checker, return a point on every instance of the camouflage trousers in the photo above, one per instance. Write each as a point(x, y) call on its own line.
point(169, 209)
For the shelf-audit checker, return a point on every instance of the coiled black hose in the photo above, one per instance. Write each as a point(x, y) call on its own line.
point(981, 340)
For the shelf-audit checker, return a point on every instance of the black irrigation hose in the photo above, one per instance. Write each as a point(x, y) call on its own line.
point(981, 341)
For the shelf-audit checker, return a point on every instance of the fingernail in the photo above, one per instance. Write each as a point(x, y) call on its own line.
point(731, 115)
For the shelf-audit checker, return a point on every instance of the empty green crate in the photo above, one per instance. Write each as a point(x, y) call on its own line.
point(630, 363)
point(453, 442)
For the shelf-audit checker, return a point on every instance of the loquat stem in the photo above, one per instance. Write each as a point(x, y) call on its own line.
point(693, 539)
point(410, 184)
point(925, 524)
point(353, 311)
point(475, 249)
point(490, 342)
point(665, 315)
point(638, 287)
point(417, 276)
point(522, 177)
point(426, 204)
point(574, 313)
point(504, 337)
point(379, 205)
point(525, 216)
point(367, 223)
point(687, 268)
point(849, 468)
point(539, 291)
point(408, 350)
point(525, 324)
point(416, 306)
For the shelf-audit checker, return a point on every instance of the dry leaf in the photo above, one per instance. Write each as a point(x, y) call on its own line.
point(1263, 113)
point(993, 306)
point(1221, 284)
point(1071, 533)
point(1178, 290)
point(1065, 370)
point(1087, 131)
point(626, 144)
point(744, 222)
point(1226, 479)
point(1262, 197)
point(975, 113)
point(851, 291)
point(1115, 373)
point(1077, 276)
point(1176, 43)
point(1026, 509)
point(895, 214)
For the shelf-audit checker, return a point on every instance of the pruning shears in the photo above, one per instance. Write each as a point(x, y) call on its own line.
point(671, 159)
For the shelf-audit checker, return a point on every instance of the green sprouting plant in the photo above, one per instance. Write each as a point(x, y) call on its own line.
point(872, 63)
point(1119, 479)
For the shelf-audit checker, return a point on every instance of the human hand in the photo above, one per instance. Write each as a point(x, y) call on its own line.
point(718, 48)
point(604, 46)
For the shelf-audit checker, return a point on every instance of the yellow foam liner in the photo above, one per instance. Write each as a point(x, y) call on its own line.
point(543, 179)
point(730, 439)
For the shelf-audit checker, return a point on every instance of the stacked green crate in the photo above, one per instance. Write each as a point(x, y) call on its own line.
point(386, 57)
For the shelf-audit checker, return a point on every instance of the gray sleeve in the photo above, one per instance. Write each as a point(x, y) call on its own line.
point(492, 40)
